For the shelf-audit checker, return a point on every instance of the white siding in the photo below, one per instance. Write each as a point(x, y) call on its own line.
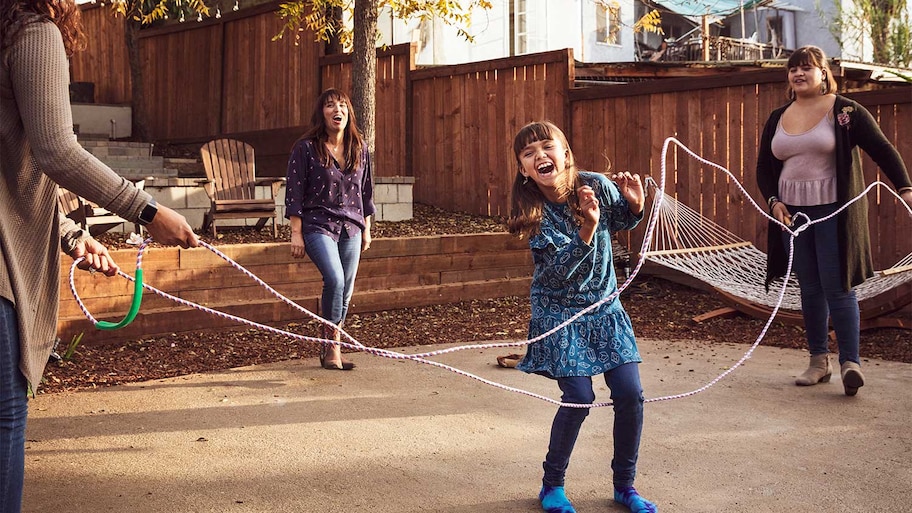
point(550, 25)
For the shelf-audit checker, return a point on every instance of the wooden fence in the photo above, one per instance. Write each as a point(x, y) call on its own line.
point(463, 121)
point(393, 103)
point(104, 62)
point(451, 127)
point(225, 77)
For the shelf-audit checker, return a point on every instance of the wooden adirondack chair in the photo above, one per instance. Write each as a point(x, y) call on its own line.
point(231, 185)
point(90, 217)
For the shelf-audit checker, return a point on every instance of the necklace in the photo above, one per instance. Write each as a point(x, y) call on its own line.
point(337, 155)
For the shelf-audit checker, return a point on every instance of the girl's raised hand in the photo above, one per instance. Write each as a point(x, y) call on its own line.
point(631, 188)
point(588, 204)
point(589, 210)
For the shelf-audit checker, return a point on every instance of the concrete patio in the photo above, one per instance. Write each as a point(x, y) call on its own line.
point(396, 436)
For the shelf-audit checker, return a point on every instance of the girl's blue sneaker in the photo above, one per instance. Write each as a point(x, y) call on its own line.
point(554, 500)
point(630, 498)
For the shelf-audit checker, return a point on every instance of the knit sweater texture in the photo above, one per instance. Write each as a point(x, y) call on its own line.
point(38, 151)
point(855, 128)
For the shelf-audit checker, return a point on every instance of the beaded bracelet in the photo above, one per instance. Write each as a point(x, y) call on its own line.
point(772, 201)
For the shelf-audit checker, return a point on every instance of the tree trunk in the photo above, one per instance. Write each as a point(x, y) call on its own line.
point(334, 45)
point(364, 68)
point(140, 127)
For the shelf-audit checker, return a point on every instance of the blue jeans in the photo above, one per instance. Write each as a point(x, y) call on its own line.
point(627, 395)
point(13, 410)
point(338, 263)
point(816, 264)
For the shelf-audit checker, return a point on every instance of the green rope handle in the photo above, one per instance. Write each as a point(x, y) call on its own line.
point(134, 306)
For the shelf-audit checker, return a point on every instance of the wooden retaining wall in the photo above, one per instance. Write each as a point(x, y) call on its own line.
point(394, 273)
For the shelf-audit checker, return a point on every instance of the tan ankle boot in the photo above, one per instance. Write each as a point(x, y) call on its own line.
point(331, 333)
point(852, 378)
point(819, 371)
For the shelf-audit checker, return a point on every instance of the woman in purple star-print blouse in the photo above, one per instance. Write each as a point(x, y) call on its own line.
point(329, 202)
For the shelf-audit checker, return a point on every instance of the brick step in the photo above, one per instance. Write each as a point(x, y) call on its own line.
point(92, 138)
point(136, 168)
point(145, 174)
point(118, 151)
point(126, 161)
point(186, 167)
point(89, 141)
point(103, 148)
point(132, 160)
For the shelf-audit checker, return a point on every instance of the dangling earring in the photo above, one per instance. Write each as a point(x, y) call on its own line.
point(525, 179)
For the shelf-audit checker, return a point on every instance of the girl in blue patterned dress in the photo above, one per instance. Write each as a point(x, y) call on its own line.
point(568, 217)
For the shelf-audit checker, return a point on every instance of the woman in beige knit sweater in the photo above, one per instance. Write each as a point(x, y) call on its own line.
point(38, 150)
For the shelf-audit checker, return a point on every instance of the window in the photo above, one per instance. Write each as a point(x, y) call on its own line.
point(518, 28)
point(608, 23)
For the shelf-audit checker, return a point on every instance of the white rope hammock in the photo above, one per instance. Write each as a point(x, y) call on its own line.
point(686, 241)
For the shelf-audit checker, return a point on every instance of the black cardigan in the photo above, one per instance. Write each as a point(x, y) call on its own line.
point(855, 128)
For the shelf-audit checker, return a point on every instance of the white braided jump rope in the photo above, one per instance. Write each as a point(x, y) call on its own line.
point(351, 343)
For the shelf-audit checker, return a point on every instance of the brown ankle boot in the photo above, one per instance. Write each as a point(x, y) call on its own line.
point(852, 378)
point(331, 333)
point(819, 371)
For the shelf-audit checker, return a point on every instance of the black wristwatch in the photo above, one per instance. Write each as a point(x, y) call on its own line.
point(148, 213)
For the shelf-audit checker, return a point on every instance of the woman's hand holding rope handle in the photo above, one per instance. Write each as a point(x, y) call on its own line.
point(95, 257)
point(781, 213)
point(171, 229)
point(167, 227)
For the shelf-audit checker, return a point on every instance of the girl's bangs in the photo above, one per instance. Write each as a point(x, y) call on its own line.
point(531, 133)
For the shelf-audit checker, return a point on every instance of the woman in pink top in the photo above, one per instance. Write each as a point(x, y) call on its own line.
point(809, 163)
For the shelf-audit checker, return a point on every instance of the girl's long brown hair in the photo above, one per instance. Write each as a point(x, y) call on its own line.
point(352, 140)
point(527, 199)
point(16, 14)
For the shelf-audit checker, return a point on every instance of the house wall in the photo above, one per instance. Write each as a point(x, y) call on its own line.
point(550, 25)
point(812, 24)
point(594, 51)
point(804, 22)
